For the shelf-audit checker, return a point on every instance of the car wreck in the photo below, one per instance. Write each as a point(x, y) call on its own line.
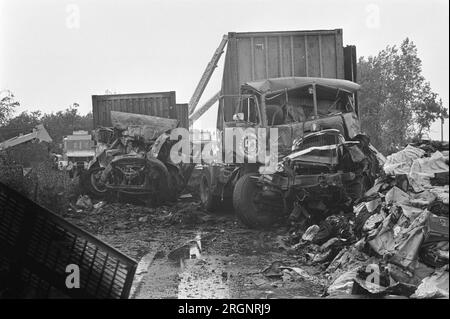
point(132, 158)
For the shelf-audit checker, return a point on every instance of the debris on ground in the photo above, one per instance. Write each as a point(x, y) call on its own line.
point(311, 233)
point(396, 241)
point(392, 241)
point(99, 205)
point(84, 202)
point(435, 286)
point(185, 196)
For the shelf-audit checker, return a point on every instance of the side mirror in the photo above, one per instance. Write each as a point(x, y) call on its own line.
point(238, 117)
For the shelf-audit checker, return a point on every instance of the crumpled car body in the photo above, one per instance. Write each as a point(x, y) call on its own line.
point(323, 172)
point(134, 159)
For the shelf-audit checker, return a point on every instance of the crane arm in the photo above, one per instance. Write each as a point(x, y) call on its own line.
point(205, 107)
point(207, 75)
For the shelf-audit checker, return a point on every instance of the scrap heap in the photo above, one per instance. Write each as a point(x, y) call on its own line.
point(396, 241)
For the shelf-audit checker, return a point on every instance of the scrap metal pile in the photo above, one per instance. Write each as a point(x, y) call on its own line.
point(396, 240)
point(133, 158)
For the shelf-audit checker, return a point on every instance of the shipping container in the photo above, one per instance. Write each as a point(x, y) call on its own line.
point(254, 56)
point(182, 110)
point(162, 104)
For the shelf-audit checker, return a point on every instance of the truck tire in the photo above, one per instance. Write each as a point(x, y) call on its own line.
point(176, 184)
point(249, 208)
point(210, 202)
point(166, 190)
point(89, 183)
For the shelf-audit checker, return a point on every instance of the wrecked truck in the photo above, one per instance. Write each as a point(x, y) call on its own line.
point(323, 157)
point(133, 158)
point(325, 175)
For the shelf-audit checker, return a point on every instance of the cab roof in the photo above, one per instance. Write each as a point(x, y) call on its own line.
point(276, 85)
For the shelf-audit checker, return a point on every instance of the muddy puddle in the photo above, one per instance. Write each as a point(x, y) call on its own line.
point(197, 269)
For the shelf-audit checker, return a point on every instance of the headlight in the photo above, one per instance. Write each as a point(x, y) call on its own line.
point(266, 170)
point(271, 169)
point(315, 127)
point(280, 168)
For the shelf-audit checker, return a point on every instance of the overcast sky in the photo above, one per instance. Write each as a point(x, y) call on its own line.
point(56, 52)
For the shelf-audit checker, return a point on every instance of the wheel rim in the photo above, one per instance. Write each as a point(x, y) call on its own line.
point(95, 177)
point(265, 210)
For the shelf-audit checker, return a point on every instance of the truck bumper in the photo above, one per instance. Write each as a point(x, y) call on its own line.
point(307, 181)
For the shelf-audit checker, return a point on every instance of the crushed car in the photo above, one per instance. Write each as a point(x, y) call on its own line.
point(133, 158)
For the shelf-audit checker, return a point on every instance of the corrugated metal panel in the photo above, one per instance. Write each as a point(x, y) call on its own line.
point(162, 104)
point(36, 246)
point(350, 68)
point(260, 55)
point(183, 114)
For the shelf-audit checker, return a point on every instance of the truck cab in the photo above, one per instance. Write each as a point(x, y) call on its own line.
point(296, 106)
point(78, 152)
point(256, 94)
point(313, 118)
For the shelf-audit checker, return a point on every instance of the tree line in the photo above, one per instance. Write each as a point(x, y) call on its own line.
point(397, 104)
point(58, 124)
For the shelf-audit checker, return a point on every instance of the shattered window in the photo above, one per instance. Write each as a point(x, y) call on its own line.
point(249, 108)
point(79, 145)
point(298, 105)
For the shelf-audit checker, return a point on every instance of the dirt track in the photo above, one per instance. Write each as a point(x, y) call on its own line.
point(184, 252)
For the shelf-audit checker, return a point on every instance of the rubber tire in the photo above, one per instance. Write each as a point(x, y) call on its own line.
point(86, 183)
point(210, 202)
point(165, 192)
point(175, 184)
point(244, 206)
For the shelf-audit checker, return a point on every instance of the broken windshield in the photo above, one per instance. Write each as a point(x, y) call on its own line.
point(297, 105)
point(248, 107)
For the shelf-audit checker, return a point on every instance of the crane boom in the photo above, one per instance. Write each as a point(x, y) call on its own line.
point(205, 107)
point(207, 75)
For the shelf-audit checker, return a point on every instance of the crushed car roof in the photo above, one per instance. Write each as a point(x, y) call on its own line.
point(275, 85)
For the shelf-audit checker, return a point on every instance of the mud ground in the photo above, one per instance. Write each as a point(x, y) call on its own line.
point(185, 252)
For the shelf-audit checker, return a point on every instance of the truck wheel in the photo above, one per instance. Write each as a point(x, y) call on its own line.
point(175, 184)
point(90, 182)
point(210, 201)
point(248, 204)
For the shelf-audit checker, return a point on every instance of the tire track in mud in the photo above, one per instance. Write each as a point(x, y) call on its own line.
point(226, 261)
point(184, 274)
point(192, 272)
